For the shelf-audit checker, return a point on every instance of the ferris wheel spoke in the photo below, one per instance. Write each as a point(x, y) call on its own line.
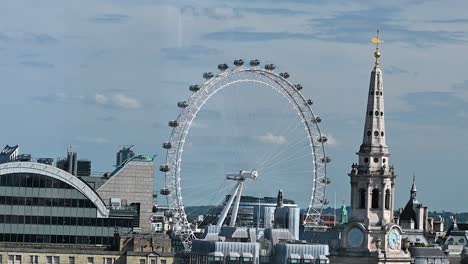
point(280, 131)
point(274, 151)
point(282, 151)
point(286, 162)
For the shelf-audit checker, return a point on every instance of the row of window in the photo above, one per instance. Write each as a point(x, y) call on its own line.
point(56, 239)
point(32, 180)
point(376, 113)
point(376, 133)
point(221, 260)
point(50, 202)
point(376, 93)
point(34, 259)
point(376, 160)
point(375, 199)
point(68, 221)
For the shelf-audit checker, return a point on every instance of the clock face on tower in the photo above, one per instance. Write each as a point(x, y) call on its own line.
point(394, 238)
point(355, 237)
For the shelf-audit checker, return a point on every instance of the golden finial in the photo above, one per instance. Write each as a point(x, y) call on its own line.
point(376, 40)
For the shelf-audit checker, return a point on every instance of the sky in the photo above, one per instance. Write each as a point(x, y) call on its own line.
point(97, 75)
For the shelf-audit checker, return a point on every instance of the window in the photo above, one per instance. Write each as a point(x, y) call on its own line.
point(376, 133)
point(71, 260)
point(14, 259)
point(163, 261)
point(387, 199)
point(33, 259)
point(247, 260)
point(52, 260)
point(90, 260)
point(153, 261)
point(142, 261)
point(376, 160)
point(375, 199)
point(376, 113)
point(362, 198)
point(108, 261)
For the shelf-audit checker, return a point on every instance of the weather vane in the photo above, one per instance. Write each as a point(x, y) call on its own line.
point(376, 40)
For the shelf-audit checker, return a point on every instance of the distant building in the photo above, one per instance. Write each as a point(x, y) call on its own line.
point(258, 211)
point(9, 153)
point(419, 229)
point(73, 165)
point(457, 238)
point(247, 245)
point(428, 255)
point(83, 168)
point(48, 161)
point(124, 154)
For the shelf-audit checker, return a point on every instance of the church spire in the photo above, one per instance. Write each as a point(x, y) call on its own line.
point(413, 188)
point(373, 153)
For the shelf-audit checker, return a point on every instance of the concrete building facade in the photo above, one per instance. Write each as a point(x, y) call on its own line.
point(132, 183)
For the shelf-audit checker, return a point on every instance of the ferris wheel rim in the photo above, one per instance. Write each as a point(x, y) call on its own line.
point(176, 204)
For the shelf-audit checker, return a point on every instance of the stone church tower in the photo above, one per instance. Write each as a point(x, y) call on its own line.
point(371, 235)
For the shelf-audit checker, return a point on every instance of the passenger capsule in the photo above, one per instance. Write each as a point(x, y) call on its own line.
point(173, 123)
point(310, 102)
point(238, 62)
point(323, 139)
point(326, 180)
point(182, 104)
point(164, 168)
point(223, 67)
point(207, 75)
point(165, 191)
point(284, 75)
point(316, 120)
point(326, 159)
point(167, 145)
point(254, 63)
point(270, 67)
point(298, 87)
point(194, 88)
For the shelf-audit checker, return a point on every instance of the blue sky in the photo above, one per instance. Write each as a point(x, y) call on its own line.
point(100, 74)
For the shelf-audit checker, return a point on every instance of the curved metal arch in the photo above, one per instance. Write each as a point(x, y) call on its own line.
point(196, 102)
point(56, 173)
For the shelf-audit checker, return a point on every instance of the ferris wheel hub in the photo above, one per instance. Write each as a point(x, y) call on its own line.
point(243, 175)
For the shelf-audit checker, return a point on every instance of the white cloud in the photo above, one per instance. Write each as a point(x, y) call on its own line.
point(126, 102)
point(101, 99)
point(269, 138)
point(331, 140)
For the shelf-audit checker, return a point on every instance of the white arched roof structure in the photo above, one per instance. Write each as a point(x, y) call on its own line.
point(56, 173)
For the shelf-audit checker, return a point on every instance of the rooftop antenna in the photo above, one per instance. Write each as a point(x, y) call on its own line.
point(70, 147)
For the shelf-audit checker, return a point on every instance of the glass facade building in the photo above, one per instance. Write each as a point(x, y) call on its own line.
point(40, 207)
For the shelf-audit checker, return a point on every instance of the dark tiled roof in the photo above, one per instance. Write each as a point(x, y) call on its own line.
point(408, 213)
point(427, 252)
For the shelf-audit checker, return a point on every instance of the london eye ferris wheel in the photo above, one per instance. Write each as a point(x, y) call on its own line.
point(241, 75)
